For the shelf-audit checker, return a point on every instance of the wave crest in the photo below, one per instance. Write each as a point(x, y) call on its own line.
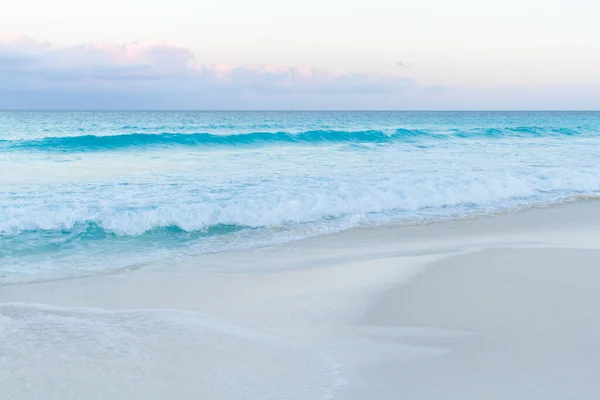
point(115, 142)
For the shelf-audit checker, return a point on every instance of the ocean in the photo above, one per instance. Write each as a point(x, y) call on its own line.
point(84, 193)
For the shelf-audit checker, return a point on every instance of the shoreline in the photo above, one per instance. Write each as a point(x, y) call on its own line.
point(418, 311)
point(392, 228)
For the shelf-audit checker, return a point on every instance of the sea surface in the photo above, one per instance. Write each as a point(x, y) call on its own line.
point(85, 193)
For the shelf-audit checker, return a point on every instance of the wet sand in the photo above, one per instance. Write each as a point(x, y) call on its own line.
point(504, 307)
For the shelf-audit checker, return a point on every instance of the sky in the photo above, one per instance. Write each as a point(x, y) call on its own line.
point(314, 54)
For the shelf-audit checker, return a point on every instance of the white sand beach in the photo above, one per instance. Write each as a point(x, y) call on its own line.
point(504, 307)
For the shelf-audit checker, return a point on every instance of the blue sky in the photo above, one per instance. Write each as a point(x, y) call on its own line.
point(315, 54)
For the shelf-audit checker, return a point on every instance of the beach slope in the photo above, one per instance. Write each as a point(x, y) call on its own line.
point(504, 307)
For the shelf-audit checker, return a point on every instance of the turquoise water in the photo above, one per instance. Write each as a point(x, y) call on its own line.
point(92, 192)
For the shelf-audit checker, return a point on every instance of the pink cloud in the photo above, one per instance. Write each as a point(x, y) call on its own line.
point(142, 75)
point(35, 63)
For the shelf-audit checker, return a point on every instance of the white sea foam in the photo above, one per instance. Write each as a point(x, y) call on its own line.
point(131, 212)
point(69, 208)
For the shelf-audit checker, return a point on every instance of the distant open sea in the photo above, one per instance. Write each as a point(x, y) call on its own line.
point(93, 192)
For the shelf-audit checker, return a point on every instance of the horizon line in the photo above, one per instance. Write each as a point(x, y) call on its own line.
point(284, 110)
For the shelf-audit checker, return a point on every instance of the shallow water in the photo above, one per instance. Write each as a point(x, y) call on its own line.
point(91, 192)
point(75, 353)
